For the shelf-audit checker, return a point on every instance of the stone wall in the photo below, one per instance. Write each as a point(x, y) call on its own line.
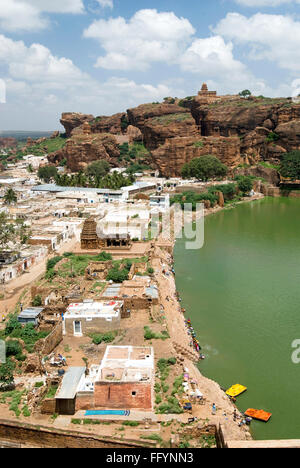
point(119, 395)
point(29, 435)
point(97, 325)
point(48, 344)
point(48, 406)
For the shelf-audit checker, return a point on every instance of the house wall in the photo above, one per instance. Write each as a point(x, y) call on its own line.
point(97, 325)
point(119, 395)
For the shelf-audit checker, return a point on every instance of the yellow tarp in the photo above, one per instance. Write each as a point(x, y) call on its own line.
point(236, 390)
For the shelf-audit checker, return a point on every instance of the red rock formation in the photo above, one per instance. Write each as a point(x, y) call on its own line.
point(134, 134)
point(170, 157)
point(139, 115)
point(81, 150)
point(8, 142)
point(71, 120)
point(236, 130)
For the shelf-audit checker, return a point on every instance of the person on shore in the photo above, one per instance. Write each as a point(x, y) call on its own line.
point(234, 415)
point(214, 409)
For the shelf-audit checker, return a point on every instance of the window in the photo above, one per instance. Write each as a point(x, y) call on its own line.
point(77, 328)
point(133, 394)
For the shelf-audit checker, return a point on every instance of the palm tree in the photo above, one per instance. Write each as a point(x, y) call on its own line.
point(10, 197)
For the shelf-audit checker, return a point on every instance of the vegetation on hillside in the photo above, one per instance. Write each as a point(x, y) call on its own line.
point(290, 165)
point(204, 168)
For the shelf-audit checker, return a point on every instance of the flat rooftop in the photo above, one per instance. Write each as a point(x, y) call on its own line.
point(127, 364)
point(57, 189)
point(94, 309)
point(69, 385)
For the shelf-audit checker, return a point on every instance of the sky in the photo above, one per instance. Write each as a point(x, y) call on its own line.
point(104, 56)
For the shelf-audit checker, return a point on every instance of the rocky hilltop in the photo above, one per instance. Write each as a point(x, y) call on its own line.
point(236, 130)
point(8, 142)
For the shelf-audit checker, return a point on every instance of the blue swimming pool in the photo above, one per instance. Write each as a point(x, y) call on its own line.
point(107, 412)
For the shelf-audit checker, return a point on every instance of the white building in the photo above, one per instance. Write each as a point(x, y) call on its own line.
point(92, 317)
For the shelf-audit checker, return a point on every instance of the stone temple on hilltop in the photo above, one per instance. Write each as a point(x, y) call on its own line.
point(205, 96)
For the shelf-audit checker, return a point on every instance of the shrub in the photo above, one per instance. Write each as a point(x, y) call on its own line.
point(99, 338)
point(245, 184)
point(103, 257)
point(38, 384)
point(131, 423)
point(151, 335)
point(117, 276)
point(290, 165)
point(13, 348)
point(37, 301)
point(52, 262)
point(150, 271)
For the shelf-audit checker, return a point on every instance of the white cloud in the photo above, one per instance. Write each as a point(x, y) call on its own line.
point(270, 37)
point(149, 36)
point(28, 15)
point(106, 3)
point(265, 3)
point(42, 86)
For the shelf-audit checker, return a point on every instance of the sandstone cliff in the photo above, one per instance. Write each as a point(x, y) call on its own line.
point(71, 120)
point(81, 150)
point(236, 130)
point(170, 157)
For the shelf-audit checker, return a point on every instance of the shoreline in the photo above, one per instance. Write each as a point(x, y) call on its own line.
point(177, 329)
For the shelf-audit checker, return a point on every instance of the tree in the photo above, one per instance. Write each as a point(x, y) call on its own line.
point(10, 197)
point(46, 173)
point(245, 94)
point(7, 231)
point(6, 373)
point(98, 168)
point(290, 165)
point(245, 184)
point(204, 168)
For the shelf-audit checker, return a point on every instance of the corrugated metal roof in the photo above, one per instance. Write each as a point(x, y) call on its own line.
point(70, 382)
point(152, 291)
point(31, 312)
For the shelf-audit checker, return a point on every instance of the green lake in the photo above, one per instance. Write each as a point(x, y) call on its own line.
point(242, 293)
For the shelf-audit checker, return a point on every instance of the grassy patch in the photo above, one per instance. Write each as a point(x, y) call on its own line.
point(151, 335)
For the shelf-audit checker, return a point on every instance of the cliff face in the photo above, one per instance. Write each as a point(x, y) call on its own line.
point(170, 157)
point(234, 129)
point(72, 120)
point(81, 150)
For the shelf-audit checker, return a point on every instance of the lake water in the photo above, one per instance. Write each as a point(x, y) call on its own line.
point(242, 293)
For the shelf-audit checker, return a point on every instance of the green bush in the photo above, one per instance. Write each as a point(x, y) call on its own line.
point(290, 165)
point(37, 301)
point(99, 338)
point(52, 262)
point(150, 335)
point(117, 276)
point(13, 348)
point(245, 184)
point(131, 423)
point(103, 257)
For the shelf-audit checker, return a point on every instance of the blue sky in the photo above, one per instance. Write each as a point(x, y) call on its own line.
point(104, 56)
